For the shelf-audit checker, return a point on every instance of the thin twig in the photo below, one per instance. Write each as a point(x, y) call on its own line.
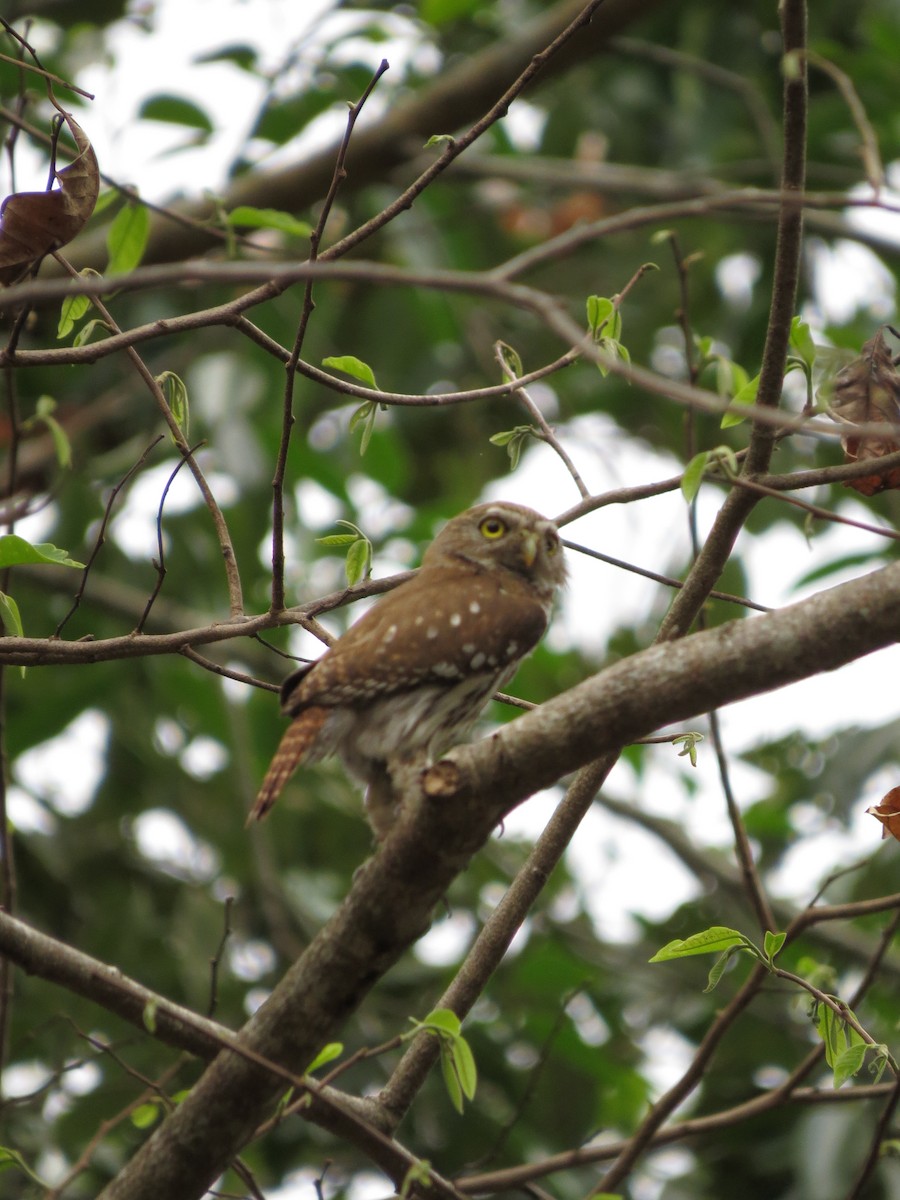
point(101, 533)
point(232, 574)
point(287, 418)
point(160, 561)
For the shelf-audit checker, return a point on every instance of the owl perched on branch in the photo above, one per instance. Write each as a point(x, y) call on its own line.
point(411, 676)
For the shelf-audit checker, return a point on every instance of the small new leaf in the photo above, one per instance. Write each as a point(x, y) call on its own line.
point(268, 218)
point(688, 742)
point(144, 1116)
point(511, 360)
point(359, 553)
point(603, 318)
point(464, 1066)
point(84, 335)
point(718, 968)
point(709, 941)
point(12, 1158)
point(352, 366)
point(839, 1036)
point(802, 342)
point(849, 1063)
point(176, 394)
point(356, 564)
point(365, 416)
point(10, 616)
point(514, 440)
point(73, 309)
point(419, 1172)
point(773, 943)
point(43, 414)
point(327, 1054)
point(337, 539)
point(746, 396)
point(451, 1081)
point(442, 1020)
point(127, 239)
point(148, 1016)
point(693, 475)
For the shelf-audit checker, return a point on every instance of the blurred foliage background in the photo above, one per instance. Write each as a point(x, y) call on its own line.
point(130, 779)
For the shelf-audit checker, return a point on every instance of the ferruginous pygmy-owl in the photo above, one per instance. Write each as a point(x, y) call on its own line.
point(411, 676)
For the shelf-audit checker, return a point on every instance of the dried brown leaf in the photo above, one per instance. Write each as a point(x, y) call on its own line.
point(34, 223)
point(868, 390)
point(888, 813)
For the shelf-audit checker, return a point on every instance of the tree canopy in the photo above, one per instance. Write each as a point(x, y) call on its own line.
point(631, 262)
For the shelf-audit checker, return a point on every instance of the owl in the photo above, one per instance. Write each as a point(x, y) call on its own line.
point(408, 679)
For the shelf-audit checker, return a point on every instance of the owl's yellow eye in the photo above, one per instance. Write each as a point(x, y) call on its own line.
point(492, 527)
point(551, 543)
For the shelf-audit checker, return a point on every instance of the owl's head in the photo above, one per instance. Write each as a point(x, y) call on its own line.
point(506, 536)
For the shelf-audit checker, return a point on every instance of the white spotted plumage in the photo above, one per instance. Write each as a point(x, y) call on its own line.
point(412, 675)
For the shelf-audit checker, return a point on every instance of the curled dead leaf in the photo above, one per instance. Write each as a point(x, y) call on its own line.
point(868, 390)
point(34, 223)
point(888, 813)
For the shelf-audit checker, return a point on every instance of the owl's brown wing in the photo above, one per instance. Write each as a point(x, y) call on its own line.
point(445, 625)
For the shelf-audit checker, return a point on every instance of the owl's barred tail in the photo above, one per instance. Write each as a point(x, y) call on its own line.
point(296, 741)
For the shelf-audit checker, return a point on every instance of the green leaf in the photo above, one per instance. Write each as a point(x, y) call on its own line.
point(357, 562)
point(83, 336)
point(880, 1060)
point(708, 941)
point(145, 1115)
point(802, 342)
point(747, 395)
point(148, 1016)
point(43, 415)
point(510, 359)
point(439, 139)
point(718, 968)
point(15, 550)
point(365, 416)
point(10, 616)
point(464, 1066)
point(175, 110)
point(849, 1062)
point(693, 475)
point(773, 943)
point(837, 1034)
point(268, 218)
point(126, 240)
point(514, 440)
point(12, 1158)
point(327, 1054)
point(730, 376)
point(689, 742)
point(337, 539)
point(443, 1020)
point(451, 1080)
point(176, 394)
point(353, 366)
point(604, 318)
point(74, 307)
point(614, 347)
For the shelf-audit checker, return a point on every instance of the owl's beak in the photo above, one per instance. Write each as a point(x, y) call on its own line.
point(529, 547)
